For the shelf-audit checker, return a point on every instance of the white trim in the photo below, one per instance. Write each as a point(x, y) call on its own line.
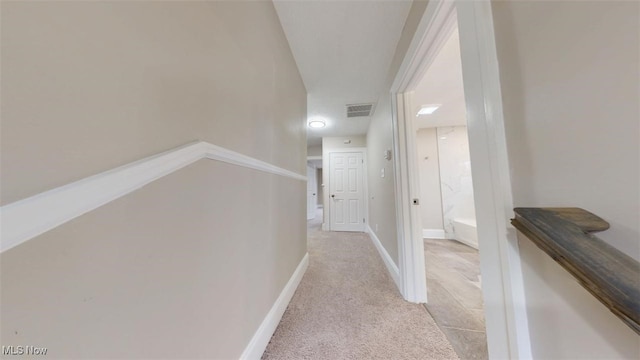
point(25, 219)
point(502, 285)
point(314, 157)
point(437, 24)
point(386, 258)
point(365, 185)
point(466, 232)
point(401, 191)
point(214, 152)
point(432, 32)
point(433, 234)
point(262, 336)
point(467, 242)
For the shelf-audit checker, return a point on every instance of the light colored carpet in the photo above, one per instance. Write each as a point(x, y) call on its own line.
point(347, 307)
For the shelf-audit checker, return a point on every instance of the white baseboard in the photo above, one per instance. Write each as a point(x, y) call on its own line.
point(261, 338)
point(433, 234)
point(466, 232)
point(386, 258)
point(468, 243)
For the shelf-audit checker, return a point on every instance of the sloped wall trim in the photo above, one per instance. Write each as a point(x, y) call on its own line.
point(25, 219)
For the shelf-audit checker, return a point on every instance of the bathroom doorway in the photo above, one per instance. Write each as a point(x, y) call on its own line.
point(506, 321)
point(446, 202)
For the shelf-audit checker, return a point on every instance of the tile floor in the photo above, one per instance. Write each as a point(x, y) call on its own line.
point(455, 297)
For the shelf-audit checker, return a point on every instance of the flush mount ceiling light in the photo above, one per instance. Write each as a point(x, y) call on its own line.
point(428, 109)
point(317, 123)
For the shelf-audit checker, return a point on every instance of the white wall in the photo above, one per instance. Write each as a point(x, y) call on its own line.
point(319, 182)
point(430, 191)
point(330, 144)
point(455, 177)
point(312, 192)
point(382, 202)
point(171, 270)
point(446, 187)
point(314, 150)
point(570, 74)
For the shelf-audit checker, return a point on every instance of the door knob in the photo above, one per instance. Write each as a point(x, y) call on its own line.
point(333, 195)
point(314, 194)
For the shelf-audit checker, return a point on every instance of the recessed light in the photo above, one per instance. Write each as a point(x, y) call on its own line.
point(428, 109)
point(317, 123)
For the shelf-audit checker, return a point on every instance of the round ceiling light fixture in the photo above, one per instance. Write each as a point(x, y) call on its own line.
point(317, 123)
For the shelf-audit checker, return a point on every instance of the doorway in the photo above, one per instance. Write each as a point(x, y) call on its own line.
point(447, 208)
point(502, 284)
point(346, 191)
point(314, 187)
point(312, 191)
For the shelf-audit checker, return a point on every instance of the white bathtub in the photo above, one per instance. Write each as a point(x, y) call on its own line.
point(466, 233)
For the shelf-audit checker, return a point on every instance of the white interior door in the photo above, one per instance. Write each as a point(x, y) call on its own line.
point(312, 195)
point(346, 191)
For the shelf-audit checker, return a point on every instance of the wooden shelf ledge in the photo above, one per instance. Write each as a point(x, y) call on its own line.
point(608, 274)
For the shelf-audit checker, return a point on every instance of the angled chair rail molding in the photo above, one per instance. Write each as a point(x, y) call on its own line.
point(27, 218)
point(608, 274)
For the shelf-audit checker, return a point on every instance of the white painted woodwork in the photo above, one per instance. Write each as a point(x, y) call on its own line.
point(312, 193)
point(506, 318)
point(30, 217)
point(433, 234)
point(346, 191)
point(384, 254)
point(260, 339)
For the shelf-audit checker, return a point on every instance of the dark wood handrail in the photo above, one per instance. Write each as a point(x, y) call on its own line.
point(607, 273)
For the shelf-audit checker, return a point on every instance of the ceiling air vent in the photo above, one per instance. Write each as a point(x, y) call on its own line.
point(357, 110)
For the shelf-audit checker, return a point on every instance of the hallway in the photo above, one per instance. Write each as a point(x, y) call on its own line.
point(347, 307)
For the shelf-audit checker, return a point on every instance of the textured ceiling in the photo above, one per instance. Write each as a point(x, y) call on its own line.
point(343, 50)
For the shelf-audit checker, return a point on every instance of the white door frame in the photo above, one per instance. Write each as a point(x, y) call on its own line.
point(502, 285)
point(312, 180)
point(365, 187)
